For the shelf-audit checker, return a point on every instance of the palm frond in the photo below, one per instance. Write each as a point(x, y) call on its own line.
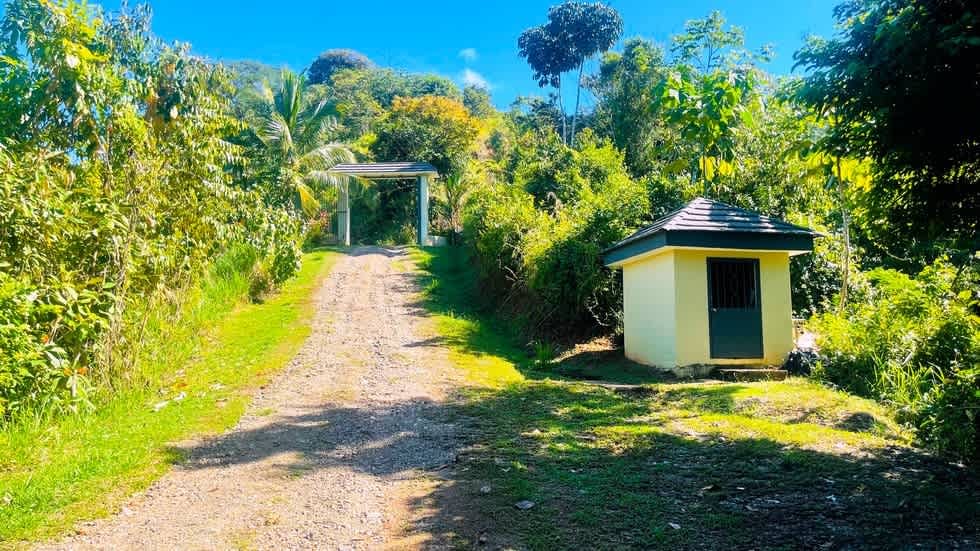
point(326, 156)
point(318, 125)
point(276, 134)
point(322, 179)
point(288, 100)
point(307, 200)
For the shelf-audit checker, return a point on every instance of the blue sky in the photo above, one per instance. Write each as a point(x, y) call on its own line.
point(466, 41)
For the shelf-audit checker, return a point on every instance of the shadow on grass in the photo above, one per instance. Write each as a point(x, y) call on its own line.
point(612, 471)
point(609, 467)
point(451, 289)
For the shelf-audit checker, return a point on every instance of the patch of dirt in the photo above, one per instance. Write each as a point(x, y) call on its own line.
point(338, 452)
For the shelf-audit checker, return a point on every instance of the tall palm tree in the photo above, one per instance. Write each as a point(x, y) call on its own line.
point(297, 134)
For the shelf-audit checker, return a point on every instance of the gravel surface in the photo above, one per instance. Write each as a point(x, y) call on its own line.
point(338, 452)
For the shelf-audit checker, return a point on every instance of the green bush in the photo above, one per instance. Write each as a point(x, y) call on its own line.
point(317, 232)
point(117, 191)
point(913, 343)
point(25, 369)
point(949, 417)
point(260, 282)
point(285, 261)
point(544, 256)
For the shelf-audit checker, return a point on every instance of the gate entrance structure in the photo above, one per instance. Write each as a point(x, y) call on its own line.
point(421, 172)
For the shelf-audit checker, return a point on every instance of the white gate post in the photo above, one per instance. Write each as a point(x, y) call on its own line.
point(343, 215)
point(423, 217)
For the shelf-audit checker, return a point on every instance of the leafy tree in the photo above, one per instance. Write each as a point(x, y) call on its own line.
point(706, 110)
point(477, 101)
point(575, 32)
point(706, 96)
point(115, 191)
point(430, 85)
point(360, 97)
point(248, 80)
point(548, 59)
point(709, 46)
point(433, 129)
point(329, 62)
point(590, 29)
point(625, 87)
point(296, 136)
point(899, 82)
point(531, 113)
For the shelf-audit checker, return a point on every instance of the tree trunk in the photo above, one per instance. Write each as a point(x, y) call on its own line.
point(578, 95)
point(845, 217)
point(561, 108)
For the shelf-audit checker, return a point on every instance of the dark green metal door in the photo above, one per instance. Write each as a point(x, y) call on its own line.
point(734, 308)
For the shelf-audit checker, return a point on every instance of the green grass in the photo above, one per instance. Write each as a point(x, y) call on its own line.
point(789, 464)
point(201, 373)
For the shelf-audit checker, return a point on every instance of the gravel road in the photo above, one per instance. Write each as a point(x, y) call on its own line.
point(337, 452)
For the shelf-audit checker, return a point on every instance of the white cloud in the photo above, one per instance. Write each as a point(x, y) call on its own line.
point(472, 78)
point(469, 55)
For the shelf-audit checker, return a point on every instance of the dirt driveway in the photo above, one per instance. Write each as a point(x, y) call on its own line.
point(338, 452)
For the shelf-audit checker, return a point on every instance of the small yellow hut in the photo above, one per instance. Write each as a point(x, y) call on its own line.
point(708, 285)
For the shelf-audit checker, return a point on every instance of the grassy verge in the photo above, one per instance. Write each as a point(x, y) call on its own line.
point(202, 372)
point(713, 465)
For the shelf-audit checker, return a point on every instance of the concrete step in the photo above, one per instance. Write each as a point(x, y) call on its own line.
point(752, 374)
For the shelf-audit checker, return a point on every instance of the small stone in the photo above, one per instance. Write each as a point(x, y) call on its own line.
point(485, 489)
point(160, 405)
point(482, 540)
point(524, 505)
point(180, 397)
point(674, 525)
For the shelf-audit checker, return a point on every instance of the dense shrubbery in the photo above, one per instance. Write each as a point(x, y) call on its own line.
point(114, 190)
point(539, 238)
point(913, 343)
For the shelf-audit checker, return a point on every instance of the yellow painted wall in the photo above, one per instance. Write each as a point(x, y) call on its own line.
point(676, 281)
point(648, 310)
point(691, 273)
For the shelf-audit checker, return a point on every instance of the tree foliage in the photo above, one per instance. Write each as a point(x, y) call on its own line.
point(298, 147)
point(477, 102)
point(574, 33)
point(330, 62)
point(115, 188)
point(625, 87)
point(361, 97)
point(708, 45)
point(432, 129)
point(900, 83)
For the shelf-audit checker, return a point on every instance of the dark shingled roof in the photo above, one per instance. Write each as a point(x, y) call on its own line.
point(707, 223)
point(382, 170)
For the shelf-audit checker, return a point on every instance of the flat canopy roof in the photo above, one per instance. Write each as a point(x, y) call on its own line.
point(385, 171)
point(705, 223)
